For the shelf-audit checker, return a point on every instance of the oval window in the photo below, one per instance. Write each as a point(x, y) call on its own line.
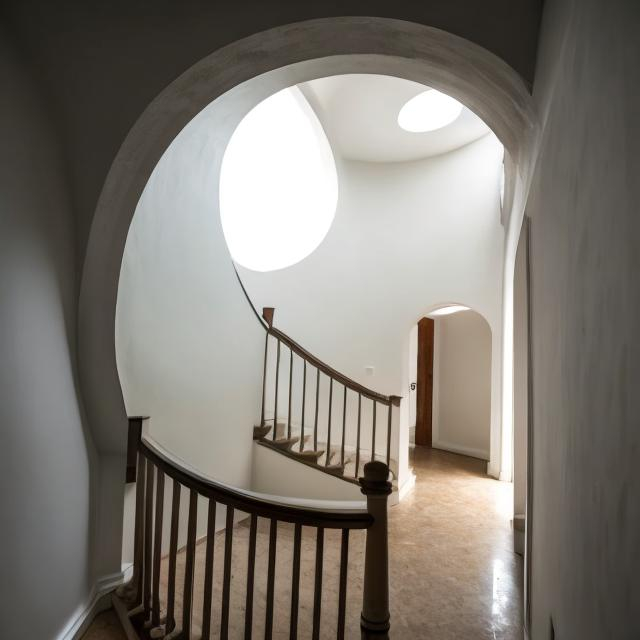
point(278, 184)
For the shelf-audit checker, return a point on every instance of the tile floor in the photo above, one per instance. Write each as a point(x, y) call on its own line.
point(453, 572)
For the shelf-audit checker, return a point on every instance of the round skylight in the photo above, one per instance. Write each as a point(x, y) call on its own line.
point(278, 184)
point(428, 111)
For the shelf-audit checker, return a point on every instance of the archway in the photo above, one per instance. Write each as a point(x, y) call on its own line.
point(279, 57)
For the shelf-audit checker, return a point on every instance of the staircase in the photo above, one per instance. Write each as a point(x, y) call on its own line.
point(181, 589)
point(315, 415)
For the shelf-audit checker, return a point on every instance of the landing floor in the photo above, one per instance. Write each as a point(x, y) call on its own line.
point(452, 569)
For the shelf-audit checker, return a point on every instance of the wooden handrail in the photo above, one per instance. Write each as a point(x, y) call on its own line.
point(330, 371)
point(249, 502)
point(138, 601)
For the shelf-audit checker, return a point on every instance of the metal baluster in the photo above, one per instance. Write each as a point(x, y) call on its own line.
point(251, 567)
point(275, 408)
point(208, 570)
point(358, 435)
point(226, 580)
point(189, 564)
point(271, 576)
point(315, 424)
point(157, 549)
point(290, 389)
point(328, 458)
point(304, 391)
point(173, 552)
point(295, 583)
point(342, 595)
point(373, 436)
point(317, 593)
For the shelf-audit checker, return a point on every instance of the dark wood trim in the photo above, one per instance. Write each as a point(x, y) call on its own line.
point(267, 314)
point(343, 519)
point(424, 391)
point(134, 436)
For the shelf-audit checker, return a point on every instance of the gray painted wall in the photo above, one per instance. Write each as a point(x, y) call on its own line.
point(586, 315)
point(45, 453)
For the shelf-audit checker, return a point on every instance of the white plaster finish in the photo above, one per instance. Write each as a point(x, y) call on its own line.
point(48, 464)
point(585, 318)
point(292, 54)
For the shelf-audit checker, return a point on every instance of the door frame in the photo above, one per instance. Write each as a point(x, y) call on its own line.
point(424, 382)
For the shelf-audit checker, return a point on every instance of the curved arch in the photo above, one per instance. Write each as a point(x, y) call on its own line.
point(281, 56)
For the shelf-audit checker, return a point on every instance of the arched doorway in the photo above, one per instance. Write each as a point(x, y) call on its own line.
point(277, 58)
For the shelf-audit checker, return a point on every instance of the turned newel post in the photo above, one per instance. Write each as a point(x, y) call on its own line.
point(131, 592)
point(374, 621)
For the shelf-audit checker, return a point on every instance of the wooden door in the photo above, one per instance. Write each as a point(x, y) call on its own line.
point(424, 390)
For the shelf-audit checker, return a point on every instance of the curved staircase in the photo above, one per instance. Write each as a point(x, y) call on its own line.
point(322, 418)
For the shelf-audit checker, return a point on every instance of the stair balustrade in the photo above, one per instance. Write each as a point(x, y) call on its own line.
point(159, 603)
point(336, 446)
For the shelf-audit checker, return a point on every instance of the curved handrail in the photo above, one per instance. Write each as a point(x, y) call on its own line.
point(327, 514)
point(267, 322)
point(330, 371)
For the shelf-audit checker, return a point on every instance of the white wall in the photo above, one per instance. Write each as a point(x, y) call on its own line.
point(406, 236)
point(413, 374)
point(277, 475)
point(520, 379)
point(189, 347)
point(46, 456)
point(585, 318)
point(462, 384)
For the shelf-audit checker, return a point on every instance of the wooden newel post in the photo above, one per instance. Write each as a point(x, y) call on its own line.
point(374, 621)
point(131, 592)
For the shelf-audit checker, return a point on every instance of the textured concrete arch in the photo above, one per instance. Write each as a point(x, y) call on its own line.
point(277, 58)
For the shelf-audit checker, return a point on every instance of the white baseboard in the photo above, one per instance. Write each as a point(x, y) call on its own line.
point(462, 450)
point(407, 487)
point(97, 601)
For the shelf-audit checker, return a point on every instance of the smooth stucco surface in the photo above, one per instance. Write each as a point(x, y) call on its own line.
point(407, 237)
point(586, 314)
point(462, 384)
point(46, 456)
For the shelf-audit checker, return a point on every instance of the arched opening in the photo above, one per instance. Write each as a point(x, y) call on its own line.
point(310, 50)
point(450, 370)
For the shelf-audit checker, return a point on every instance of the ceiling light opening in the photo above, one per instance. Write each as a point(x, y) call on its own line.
point(428, 111)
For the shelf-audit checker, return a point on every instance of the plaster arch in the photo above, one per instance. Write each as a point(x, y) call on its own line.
point(279, 57)
point(409, 353)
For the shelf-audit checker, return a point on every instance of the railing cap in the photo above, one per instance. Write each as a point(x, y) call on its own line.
point(376, 479)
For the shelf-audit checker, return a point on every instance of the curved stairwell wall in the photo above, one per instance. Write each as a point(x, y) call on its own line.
point(188, 345)
point(406, 237)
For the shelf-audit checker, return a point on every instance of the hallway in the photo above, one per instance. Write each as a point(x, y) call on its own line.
point(452, 569)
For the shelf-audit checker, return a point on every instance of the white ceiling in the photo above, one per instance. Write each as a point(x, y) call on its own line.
point(359, 113)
